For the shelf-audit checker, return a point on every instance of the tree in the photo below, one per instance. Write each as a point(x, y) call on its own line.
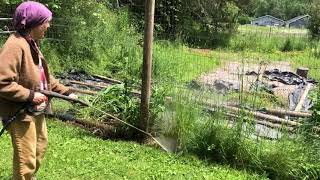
point(314, 26)
point(284, 9)
point(190, 20)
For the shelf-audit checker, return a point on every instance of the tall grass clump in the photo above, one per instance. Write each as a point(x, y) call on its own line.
point(176, 63)
point(269, 39)
point(308, 59)
point(214, 137)
point(315, 49)
point(266, 44)
point(315, 120)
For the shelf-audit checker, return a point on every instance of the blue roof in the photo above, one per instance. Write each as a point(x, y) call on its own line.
point(297, 18)
point(269, 17)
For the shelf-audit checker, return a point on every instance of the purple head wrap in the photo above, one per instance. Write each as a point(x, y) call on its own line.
point(31, 14)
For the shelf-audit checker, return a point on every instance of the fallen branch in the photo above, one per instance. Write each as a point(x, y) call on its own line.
point(83, 91)
point(258, 115)
point(107, 79)
point(289, 113)
point(270, 118)
point(265, 123)
point(89, 84)
point(263, 116)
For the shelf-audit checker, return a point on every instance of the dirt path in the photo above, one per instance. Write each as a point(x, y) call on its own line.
point(230, 72)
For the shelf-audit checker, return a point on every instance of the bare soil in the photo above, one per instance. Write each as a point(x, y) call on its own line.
point(232, 71)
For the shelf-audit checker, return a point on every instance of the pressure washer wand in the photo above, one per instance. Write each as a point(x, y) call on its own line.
point(60, 96)
point(25, 105)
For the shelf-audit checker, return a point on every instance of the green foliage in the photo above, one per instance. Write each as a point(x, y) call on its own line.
point(2, 41)
point(269, 39)
point(190, 21)
point(284, 9)
point(88, 36)
point(7, 7)
point(176, 63)
point(315, 120)
point(244, 19)
point(115, 100)
point(307, 59)
point(212, 137)
point(315, 19)
point(119, 101)
point(315, 49)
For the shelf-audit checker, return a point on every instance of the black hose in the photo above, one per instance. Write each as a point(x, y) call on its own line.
point(13, 118)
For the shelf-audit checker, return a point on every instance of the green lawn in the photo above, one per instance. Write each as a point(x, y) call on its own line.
point(272, 30)
point(75, 154)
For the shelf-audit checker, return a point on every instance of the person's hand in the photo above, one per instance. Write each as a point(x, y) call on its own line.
point(39, 98)
point(73, 96)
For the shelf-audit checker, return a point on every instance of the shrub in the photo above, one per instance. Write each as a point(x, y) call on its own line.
point(118, 100)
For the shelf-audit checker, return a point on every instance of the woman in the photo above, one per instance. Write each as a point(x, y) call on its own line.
point(23, 74)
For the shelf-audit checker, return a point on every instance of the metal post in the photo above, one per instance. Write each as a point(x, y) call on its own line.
point(147, 64)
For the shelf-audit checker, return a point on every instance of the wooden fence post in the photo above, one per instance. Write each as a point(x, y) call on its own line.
point(147, 64)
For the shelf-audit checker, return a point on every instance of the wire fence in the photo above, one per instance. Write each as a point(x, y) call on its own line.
point(249, 72)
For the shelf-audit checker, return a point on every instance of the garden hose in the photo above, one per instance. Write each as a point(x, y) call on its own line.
point(56, 95)
point(164, 147)
point(13, 118)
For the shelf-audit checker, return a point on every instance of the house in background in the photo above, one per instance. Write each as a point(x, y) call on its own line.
point(298, 22)
point(268, 20)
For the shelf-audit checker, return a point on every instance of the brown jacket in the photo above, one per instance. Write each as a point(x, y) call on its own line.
point(20, 77)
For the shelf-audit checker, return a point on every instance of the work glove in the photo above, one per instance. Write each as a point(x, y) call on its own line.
point(73, 96)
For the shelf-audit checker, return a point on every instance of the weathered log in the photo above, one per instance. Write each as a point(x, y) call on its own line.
point(89, 84)
point(288, 113)
point(265, 123)
point(107, 79)
point(303, 97)
point(259, 115)
point(277, 126)
point(263, 116)
point(270, 118)
point(83, 91)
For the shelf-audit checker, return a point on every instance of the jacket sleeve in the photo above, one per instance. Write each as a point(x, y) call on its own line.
point(56, 86)
point(10, 62)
